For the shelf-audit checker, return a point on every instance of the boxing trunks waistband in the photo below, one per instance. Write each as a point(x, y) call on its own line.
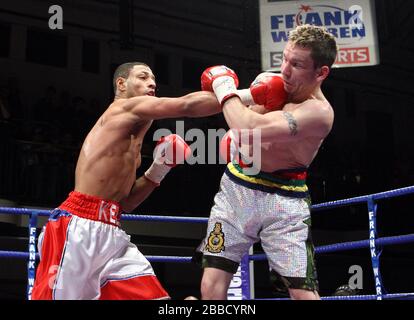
point(288, 182)
point(93, 208)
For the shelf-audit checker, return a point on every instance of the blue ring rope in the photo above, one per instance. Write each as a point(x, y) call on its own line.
point(25, 255)
point(258, 257)
point(351, 245)
point(316, 207)
point(363, 199)
point(409, 295)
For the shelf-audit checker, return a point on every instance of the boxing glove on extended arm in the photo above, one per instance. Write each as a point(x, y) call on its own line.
point(267, 90)
point(221, 80)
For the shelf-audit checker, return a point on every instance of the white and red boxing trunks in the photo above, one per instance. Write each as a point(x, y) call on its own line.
point(85, 255)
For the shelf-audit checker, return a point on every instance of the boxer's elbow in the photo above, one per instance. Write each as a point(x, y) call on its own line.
point(127, 207)
point(200, 104)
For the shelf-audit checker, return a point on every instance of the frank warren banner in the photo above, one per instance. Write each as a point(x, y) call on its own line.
point(351, 22)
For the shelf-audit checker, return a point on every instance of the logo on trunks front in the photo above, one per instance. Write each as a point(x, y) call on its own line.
point(113, 212)
point(216, 239)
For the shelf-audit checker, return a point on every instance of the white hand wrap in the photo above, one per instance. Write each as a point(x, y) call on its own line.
point(157, 172)
point(224, 88)
point(246, 96)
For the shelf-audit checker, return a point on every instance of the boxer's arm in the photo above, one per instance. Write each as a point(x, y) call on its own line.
point(170, 151)
point(311, 118)
point(196, 104)
point(258, 108)
point(140, 191)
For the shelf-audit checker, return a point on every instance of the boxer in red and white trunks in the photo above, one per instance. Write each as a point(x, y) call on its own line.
point(84, 252)
point(85, 255)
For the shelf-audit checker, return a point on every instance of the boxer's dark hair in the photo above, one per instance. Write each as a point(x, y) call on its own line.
point(123, 70)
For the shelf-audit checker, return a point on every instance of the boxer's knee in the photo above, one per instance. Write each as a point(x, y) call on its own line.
point(301, 294)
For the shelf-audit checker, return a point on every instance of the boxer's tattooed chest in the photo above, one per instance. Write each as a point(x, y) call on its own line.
point(293, 126)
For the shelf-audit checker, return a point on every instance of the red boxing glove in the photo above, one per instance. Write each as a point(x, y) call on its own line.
point(230, 149)
point(170, 151)
point(268, 90)
point(221, 80)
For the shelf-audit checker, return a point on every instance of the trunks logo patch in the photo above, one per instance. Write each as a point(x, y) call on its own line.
point(215, 243)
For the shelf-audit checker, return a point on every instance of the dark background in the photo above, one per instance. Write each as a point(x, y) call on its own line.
point(54, 84)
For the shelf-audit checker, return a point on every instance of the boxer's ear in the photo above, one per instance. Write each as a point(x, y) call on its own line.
point(121, 84)
point(322, 73)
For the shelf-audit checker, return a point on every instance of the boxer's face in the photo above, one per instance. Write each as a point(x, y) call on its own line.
point(140, 82)
point(298, 69)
